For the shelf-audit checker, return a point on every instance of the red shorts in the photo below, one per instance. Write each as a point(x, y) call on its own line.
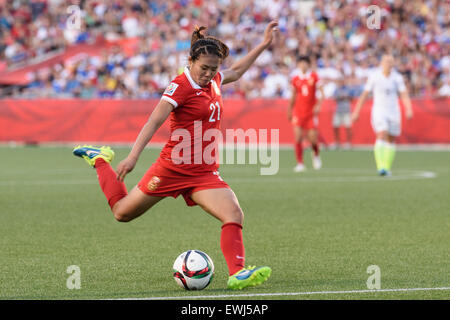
point(305, 122)
point(160, 181)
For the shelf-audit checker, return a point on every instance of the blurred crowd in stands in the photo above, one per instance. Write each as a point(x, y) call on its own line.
point(334, 33)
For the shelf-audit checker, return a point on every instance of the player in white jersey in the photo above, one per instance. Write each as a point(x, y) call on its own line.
point(386, 85)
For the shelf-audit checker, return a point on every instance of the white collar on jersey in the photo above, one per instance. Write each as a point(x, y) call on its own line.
point(302, 75)
point(194, 84)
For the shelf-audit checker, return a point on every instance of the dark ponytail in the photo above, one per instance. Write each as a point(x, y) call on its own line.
point(201, 44)
point(197, 34)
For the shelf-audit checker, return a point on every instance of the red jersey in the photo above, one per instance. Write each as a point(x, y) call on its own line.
point(305, 86)
point(196, 110)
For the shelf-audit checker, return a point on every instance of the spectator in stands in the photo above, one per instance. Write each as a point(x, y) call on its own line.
point(334, 34)
point(343, 95)
point(444, 90)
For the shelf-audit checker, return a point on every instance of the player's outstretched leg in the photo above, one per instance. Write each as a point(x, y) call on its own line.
point(100, 159)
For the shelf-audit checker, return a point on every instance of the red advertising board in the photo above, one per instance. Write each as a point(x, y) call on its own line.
point(119, 121)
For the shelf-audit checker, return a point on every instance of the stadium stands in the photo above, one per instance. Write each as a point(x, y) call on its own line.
point(143, 43)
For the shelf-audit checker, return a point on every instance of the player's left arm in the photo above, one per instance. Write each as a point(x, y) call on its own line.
point(238, 68)
point(320, 99)
point(404, 96)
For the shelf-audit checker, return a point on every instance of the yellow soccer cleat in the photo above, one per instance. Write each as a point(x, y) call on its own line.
point(90, 153)
point(248, 277)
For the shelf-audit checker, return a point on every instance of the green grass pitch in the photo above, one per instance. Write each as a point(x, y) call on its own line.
point(319, 230)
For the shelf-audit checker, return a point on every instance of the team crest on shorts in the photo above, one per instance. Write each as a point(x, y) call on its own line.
point(153, 183)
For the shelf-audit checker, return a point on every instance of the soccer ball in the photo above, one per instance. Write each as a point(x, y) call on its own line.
point(193, 270)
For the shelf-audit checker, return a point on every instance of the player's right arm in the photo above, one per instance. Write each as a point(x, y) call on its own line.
point(362, 98)
point(359, 104)
point(156, 119)
point(369, 86)
point(238, 68)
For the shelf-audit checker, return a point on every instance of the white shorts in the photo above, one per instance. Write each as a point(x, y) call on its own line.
point(342, 119)
point(383, 123)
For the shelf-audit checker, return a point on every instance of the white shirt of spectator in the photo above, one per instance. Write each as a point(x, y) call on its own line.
point(385, 92)
point(275, 84)
point(131, 27)
point(444, 91)
point(329, 75)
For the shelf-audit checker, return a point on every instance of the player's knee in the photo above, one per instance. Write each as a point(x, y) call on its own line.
point(122, 216)
point(236, 215)
point(312, 136)
point(382, 135)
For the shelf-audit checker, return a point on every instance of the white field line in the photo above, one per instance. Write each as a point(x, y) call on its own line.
point(412, 175)
point(45, 182)
point(275, 294)
point(406, 175)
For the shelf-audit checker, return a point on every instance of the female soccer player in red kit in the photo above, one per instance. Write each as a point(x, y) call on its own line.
point(193, 102)
point(303, 111)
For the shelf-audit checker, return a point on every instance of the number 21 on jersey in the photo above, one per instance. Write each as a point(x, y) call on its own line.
point(215, 111)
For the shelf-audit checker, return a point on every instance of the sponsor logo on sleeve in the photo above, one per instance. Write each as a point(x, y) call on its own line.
point(170, 90)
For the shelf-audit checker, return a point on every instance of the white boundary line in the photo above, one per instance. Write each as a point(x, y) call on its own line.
point(275, 294)
point(412, 175)
point(13, 183)
point(403, 175)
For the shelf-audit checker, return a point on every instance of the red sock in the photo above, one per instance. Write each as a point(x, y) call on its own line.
point(232, 246)
point(299, 152)
point(315, 148)
point(113, 189)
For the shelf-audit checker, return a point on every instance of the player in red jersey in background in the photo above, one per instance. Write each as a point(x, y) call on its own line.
point(303, 111)
point(194, 103)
